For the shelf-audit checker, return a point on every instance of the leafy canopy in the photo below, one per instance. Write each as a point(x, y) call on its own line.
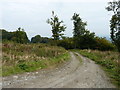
point(115, 22)
point(79, 25)
point(57, 27)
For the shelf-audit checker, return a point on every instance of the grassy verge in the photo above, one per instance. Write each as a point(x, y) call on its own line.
point(108, 60)
point(78, 57)
point(19, 58)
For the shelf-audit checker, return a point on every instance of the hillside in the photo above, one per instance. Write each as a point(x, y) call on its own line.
point(19, 58)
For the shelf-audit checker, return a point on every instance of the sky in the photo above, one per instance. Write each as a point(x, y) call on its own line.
point(33, 14)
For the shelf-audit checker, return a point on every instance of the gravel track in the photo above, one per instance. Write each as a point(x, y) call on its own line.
point(71, 74)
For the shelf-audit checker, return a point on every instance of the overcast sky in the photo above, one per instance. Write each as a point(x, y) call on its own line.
point(32, 15)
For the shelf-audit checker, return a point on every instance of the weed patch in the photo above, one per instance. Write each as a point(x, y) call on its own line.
point(19, 58)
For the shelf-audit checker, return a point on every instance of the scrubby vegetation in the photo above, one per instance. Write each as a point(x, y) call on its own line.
point(39, 39)
point(18, 58)
point(103, 44)
point(87, 41)
point(83, 38)
point(109, 60)
point(18, 36)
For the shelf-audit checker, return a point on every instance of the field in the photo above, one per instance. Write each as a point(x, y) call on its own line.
point(110, 62)
point(19, 58)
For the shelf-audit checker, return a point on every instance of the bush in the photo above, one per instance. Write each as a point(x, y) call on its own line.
point(39, 39)
point(23, 67)
point(18, 36)
point(103, 44)
point(67, 43)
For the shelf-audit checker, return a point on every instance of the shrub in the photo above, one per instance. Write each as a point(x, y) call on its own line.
point(67, 43)
point(103, 44)
point(23, 66)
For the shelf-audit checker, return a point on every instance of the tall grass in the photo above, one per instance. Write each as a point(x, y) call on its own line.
point(19, 58)
point(110, 61)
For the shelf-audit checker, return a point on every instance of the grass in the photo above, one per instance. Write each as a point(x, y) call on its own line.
point(20, 58)
point(110, 62)
point(78, 57)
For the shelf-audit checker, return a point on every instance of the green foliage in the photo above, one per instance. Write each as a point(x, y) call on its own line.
point(115, 30)
point(79, 25)
point(18, 36)
point(85, 41)
point(57, 28)
point(6, 35)
point(67, 43)
point(36, 39)
point(19, 58)
point(109, 60)
point(115, 22)
point(23, 66)
point(103, 44)
point(39, 39)
point(83, 38)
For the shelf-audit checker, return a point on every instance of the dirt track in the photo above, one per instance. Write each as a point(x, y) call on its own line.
point(72, 74)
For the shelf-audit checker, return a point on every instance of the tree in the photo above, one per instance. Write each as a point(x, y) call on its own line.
point(39, 39)
point(88, 40)
point(79, 25)
point(79, 30)
point(5, 35)
point(20, 36)
point(66, 42)
point(57, 28)
point(82, 37)
point(103, 44)
point(115, 22)
point(36, 39)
